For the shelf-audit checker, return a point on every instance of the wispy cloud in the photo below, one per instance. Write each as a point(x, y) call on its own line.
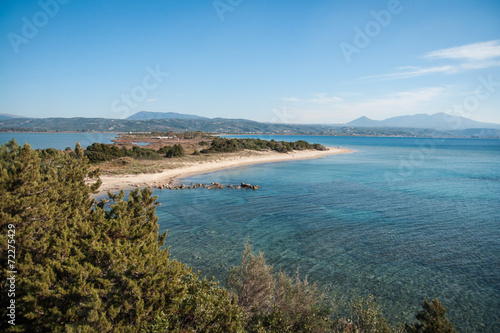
point(339, 110)
point(480, 64)
point(470, 52)
point(317, 98)
point(470, 56)
point(151, 100)
point(291, 99)
point(412, 71)
point(323, 98)
point(400, 101)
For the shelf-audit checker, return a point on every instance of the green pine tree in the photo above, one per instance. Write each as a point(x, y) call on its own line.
point(432, 319)
point(86, 266)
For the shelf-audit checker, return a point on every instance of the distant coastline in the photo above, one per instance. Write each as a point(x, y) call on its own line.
point(420, 125)
point(268, 134)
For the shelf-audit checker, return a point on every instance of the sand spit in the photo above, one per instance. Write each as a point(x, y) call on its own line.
point(115, 183)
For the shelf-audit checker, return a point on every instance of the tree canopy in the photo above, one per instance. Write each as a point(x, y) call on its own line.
point(100, 152)
point(431, 319)
point(174, 151)
point(89, 266)
point(228, 145)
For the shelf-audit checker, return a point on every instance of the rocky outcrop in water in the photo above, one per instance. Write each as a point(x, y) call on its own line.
point(211, 186)
point(249, 186)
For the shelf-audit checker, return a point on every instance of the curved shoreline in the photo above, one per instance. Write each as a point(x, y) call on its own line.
point(115, 183)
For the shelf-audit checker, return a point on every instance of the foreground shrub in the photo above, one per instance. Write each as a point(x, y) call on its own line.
point(252, 281)
point(432, 319)
point(277, 303)
point(367, 316)
point(84, 266)
point(204, 308)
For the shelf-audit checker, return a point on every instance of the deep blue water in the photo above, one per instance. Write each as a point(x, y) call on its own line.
point(57, 140)
point(400, 218)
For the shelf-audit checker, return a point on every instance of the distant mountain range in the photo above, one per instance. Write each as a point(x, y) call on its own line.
point(422, 125)
point(438, 121)
point(147, 115)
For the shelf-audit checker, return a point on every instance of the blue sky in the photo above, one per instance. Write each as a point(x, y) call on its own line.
point(271, 61)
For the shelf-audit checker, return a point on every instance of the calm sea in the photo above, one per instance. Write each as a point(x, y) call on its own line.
point(403, 219)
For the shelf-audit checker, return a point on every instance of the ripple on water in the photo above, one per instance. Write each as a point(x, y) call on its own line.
point(433, 234)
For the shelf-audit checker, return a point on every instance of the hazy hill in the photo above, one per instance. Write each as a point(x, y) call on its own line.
point(361, 127)
point(438, 121)
point(365, 122)
point(217, 125)
point(147, 115)
point(6, 116)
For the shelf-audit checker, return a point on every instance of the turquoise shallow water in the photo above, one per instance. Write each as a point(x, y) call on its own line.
point(401, 218)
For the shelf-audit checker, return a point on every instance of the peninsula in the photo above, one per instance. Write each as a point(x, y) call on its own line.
point(183, 169)
point(161, 159)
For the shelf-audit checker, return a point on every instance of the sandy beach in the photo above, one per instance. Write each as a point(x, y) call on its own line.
point(114, 183)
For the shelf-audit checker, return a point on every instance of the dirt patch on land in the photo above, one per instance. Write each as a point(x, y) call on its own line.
point(159, 141)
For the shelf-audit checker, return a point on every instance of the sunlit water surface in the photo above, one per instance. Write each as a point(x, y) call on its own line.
point(403, 219)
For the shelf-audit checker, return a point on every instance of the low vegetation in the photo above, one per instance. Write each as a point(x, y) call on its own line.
point(226, 145)
point(170, 152)
point(277, 303)
point(87, 266)
point(280, 303)
point(100, 152)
